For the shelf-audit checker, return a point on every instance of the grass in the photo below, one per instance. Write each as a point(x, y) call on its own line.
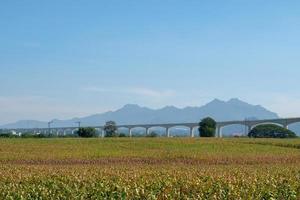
point(149, 168)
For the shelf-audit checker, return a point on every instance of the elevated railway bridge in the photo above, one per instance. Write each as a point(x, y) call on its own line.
point(249, 125)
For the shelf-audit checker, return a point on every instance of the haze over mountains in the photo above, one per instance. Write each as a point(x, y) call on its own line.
point(234, 109)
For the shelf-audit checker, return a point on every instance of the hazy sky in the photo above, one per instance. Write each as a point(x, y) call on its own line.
point(61, 59)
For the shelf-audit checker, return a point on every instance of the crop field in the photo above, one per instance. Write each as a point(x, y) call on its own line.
point(149, 168)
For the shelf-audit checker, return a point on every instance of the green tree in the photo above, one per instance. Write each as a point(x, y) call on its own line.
point(207, 127)
point(271, 131)
point(110, 129)
point(86, 132)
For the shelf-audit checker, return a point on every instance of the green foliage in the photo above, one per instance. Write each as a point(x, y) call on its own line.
point(8, 135)
point(271, 131)
point(32, 135)
point(152, 134)
point(111, 129)
point(122, 135)
point(86, 132)
point(23, 135)
point(207, 127)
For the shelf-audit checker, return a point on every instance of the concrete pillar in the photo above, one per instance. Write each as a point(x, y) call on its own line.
point(102, 133)
point(147, 131)
point(130, 132)
point(192, 132)
point(220, 132)
point(217, 131)
point(168, 132)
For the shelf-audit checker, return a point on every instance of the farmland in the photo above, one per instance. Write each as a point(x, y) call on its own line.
point(149, 168)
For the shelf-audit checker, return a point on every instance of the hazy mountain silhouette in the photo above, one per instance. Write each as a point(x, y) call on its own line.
point(234, 109)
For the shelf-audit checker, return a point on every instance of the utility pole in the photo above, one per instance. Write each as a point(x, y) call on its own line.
point(245, 127)
point(49, 126)
point(79, 122)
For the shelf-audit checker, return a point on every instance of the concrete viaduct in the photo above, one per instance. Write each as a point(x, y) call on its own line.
point(249, 124)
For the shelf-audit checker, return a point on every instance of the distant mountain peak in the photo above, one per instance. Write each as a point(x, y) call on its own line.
point(233, 109)
point(230, 101)
point(130, 106)
point(169, 107)
point(233, 100)
point(236, 101)
point(215, 102)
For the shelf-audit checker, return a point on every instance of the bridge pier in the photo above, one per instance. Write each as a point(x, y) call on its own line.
point(192, 132)
point(168, 132)
point(147, 131)
point(130, 132)
point(218, 132)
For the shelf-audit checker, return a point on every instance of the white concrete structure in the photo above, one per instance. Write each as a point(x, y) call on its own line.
point(191, 126)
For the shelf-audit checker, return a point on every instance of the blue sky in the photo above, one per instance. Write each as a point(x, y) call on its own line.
point(61, 59)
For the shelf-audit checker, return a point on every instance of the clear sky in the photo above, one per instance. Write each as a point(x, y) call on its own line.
point(62, 59)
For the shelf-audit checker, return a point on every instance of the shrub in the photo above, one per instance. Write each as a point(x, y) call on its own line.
point(152, 134)
point(8, 135)
point(122, 135)
point(86, 132)
point(30, 135)
point(271, 131)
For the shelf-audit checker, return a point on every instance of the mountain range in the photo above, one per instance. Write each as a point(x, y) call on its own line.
point(233, 109)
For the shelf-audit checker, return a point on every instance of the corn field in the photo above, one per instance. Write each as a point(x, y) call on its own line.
point(149, 168)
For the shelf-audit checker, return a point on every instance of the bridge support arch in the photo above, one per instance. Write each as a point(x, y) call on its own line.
point(131, 128)
point(220, 128)
point(267, 123)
